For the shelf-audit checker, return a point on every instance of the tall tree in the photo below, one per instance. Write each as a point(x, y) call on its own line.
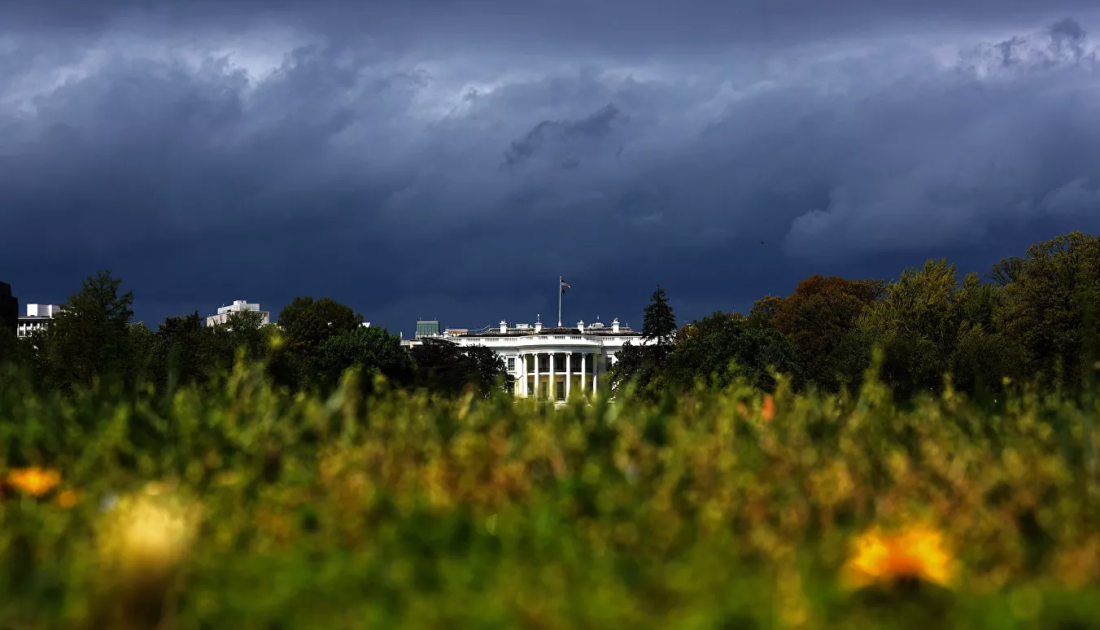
point(642, 364)
point(242, 332)
point(816, 318)
point(659, 324)
point(1006, 271)
point(373, 350)
point(88, 338)
point(185, 351)
point(928, 325)
point(1046, 307)
point(307, 323)
point(444, 367)
point(725, 347)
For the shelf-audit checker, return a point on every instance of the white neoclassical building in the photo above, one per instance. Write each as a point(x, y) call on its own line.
point(552, 364)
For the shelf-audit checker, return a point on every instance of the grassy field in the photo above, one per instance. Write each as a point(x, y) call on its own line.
point(244, 509)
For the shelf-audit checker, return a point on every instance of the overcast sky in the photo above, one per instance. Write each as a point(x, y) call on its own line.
point(426, 158)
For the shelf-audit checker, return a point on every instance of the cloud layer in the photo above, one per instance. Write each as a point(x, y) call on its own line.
point(451, 159)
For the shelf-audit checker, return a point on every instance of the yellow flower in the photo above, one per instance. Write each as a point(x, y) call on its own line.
point(33, 481)
point(916, 553)
point(149, 532)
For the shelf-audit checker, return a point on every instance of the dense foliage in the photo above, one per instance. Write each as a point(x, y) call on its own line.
point(1034, 318)
point(93, 340)
point(721, 510)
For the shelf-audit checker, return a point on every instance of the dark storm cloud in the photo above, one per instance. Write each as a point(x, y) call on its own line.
point(638, 26)
point(563, 140)
point(238, 150)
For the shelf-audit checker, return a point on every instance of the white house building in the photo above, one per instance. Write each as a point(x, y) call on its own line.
point(38, 317)
point(551, 364)
point(238, 306)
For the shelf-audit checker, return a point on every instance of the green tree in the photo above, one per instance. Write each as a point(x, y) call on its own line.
point(1047, 304)
point(185, 351)
point(374, 350)
point(727, 347)
point(1006, 271)
point(659, 324)
point(242, 332)
point(928, 326)
point(143, 352)
point(88, 338)
point(637, 364)
point(305, 325)
point(444, 367)
point(642, 364)
point(308, 324)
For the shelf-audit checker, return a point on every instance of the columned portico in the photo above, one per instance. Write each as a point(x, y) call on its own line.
point(544, 385)
point(539, 352)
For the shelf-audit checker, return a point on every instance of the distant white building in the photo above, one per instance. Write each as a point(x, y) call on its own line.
point(238, 306)
point(550, 364)
point(38, 317)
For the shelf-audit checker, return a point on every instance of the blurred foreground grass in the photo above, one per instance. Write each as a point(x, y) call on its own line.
point(246, 509)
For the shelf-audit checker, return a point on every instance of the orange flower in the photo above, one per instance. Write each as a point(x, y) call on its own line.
point(917, 552)
point(768, 412)
point(33, 481)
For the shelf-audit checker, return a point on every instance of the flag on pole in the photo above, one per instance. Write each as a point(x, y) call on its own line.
point(564, 286)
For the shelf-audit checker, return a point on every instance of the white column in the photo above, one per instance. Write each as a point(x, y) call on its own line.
point(584, 370)
point(519, 370)
point(550, 389)
point(595, 369)
point(568, 373)
point(536, 376)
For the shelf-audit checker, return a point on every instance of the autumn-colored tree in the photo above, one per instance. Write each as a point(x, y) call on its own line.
point(815, 319)
point(763, 311)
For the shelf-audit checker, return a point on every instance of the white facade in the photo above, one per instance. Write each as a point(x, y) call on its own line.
point(38, 317)
point(238, 306)
point(552, 364)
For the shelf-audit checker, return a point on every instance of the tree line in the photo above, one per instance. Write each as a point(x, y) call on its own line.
point(1030, 319)
point(93, 340)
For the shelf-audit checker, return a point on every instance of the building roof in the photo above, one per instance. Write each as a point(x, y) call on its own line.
point(494, 331)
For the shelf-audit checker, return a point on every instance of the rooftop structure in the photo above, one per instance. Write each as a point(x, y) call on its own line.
point(427, 328)
point(37, 318)
point(238, 306)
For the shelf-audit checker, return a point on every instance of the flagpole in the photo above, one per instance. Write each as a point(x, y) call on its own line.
point(559, 301)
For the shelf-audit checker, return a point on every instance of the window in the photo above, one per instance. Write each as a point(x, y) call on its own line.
point(561, 390)
point(511, 364)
